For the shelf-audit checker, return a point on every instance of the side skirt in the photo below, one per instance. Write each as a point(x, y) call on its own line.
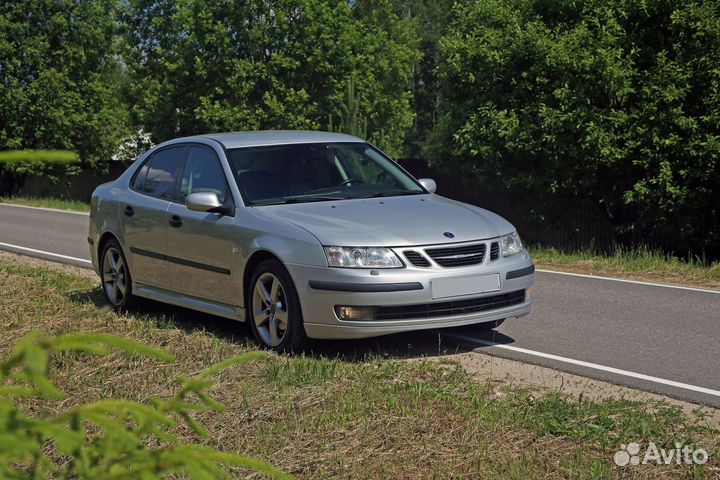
point(193, 303)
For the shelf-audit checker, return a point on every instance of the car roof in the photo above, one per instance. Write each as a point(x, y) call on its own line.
point(278, 137)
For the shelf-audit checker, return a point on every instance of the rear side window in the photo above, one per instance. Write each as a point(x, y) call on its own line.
point(140, 176)
point(158, 176)
point(203, 173)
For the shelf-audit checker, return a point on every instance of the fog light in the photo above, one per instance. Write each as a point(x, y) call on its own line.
point(355, 313)
point(527, 295)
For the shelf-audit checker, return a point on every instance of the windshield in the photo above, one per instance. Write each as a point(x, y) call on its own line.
point(317, 172)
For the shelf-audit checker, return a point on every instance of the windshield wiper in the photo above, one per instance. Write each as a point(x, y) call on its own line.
point(300, 199)
point(390, 193)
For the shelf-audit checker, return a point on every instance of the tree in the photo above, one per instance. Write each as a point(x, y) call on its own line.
point(201, 65)
point(431, 19)
point(613, 101)
point(350, 119)
point(59, 78)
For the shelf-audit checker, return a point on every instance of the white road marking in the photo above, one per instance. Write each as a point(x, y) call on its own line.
point(638, 282)
point(617, 371)
point(44, 208)
point(43, 252)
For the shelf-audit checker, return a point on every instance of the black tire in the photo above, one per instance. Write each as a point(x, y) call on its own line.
point(265, 305)
point(487, 326)
point(115, 279)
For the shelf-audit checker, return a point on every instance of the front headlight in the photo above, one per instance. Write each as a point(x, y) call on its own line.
point(511, 244)
point(362, 257)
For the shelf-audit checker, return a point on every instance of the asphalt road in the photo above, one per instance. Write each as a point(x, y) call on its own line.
point(655, 338)
point(60, 234)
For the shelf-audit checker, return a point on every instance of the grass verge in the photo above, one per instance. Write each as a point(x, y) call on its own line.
point(56, 203)
point(640, 264)
point(351, 416)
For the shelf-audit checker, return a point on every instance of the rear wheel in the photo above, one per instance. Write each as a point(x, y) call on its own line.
point(115, 276)
point(274, 310)
point(487, 326)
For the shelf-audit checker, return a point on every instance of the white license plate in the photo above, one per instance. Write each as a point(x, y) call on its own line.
point(455, 287)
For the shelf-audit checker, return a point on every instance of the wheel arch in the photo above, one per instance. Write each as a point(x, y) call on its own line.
point(255, 259)
point(104, 238)
point(295, 336)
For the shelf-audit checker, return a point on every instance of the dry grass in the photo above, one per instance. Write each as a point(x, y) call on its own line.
point(343, 417)
point(639, 264)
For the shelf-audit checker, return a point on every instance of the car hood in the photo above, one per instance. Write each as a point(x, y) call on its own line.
point(392, 221)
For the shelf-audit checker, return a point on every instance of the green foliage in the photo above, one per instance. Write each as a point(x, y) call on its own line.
point(106, 439)
point(16, 165)
point(269, 65)
point(60, 77)
point(431, 20)
point(614, 101)
point(351, 120)
point(45, 202)
point(30, 161)
point(609, 103)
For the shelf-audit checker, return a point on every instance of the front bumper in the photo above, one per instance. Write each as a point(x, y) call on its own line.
point(322, 288)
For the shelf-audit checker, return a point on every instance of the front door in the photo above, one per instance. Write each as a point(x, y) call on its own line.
point(200, 248)
point(144, 216)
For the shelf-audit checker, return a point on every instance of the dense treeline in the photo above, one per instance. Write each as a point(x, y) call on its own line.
point(60, 78)
point(613, 105)
point(203, 65)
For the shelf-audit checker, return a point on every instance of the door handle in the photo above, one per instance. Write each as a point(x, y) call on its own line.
point(129, 211)
point(175, 221)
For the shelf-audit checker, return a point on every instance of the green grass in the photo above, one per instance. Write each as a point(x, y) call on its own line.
point(332, 415)
point(641, 263)
point(57, 203)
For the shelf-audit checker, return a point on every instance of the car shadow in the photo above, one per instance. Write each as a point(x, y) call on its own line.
point(94, 296)
point(416, 344)
point(169, 316)
point(407, 345)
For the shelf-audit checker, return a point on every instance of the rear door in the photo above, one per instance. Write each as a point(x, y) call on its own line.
point(144, 216)
point(200, 247)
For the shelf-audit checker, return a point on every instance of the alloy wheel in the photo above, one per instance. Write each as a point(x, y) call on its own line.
point(114, 276)
point(270, 309)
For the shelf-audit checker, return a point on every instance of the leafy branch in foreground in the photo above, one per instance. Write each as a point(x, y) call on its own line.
point(17, 165)
point(107, 439)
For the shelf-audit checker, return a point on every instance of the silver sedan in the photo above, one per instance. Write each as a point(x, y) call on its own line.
point(303, 235)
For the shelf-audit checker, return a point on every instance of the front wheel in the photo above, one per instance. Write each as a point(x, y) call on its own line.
point(115, 276)
point(274, 310)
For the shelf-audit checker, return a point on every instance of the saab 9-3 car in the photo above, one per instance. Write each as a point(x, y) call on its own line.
point(303, 235)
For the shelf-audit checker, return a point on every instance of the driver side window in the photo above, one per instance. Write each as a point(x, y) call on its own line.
point(203, 173)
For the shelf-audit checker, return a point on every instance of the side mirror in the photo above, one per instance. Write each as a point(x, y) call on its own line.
point(205, 202)
point(428, 184)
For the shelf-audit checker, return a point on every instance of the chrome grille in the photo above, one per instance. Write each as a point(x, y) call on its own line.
point(458, 256)
point(416, 258)
point(494, 251)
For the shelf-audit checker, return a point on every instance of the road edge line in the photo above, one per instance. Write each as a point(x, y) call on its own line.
point(595, 366)
point(43, 252)
point(624, 280)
